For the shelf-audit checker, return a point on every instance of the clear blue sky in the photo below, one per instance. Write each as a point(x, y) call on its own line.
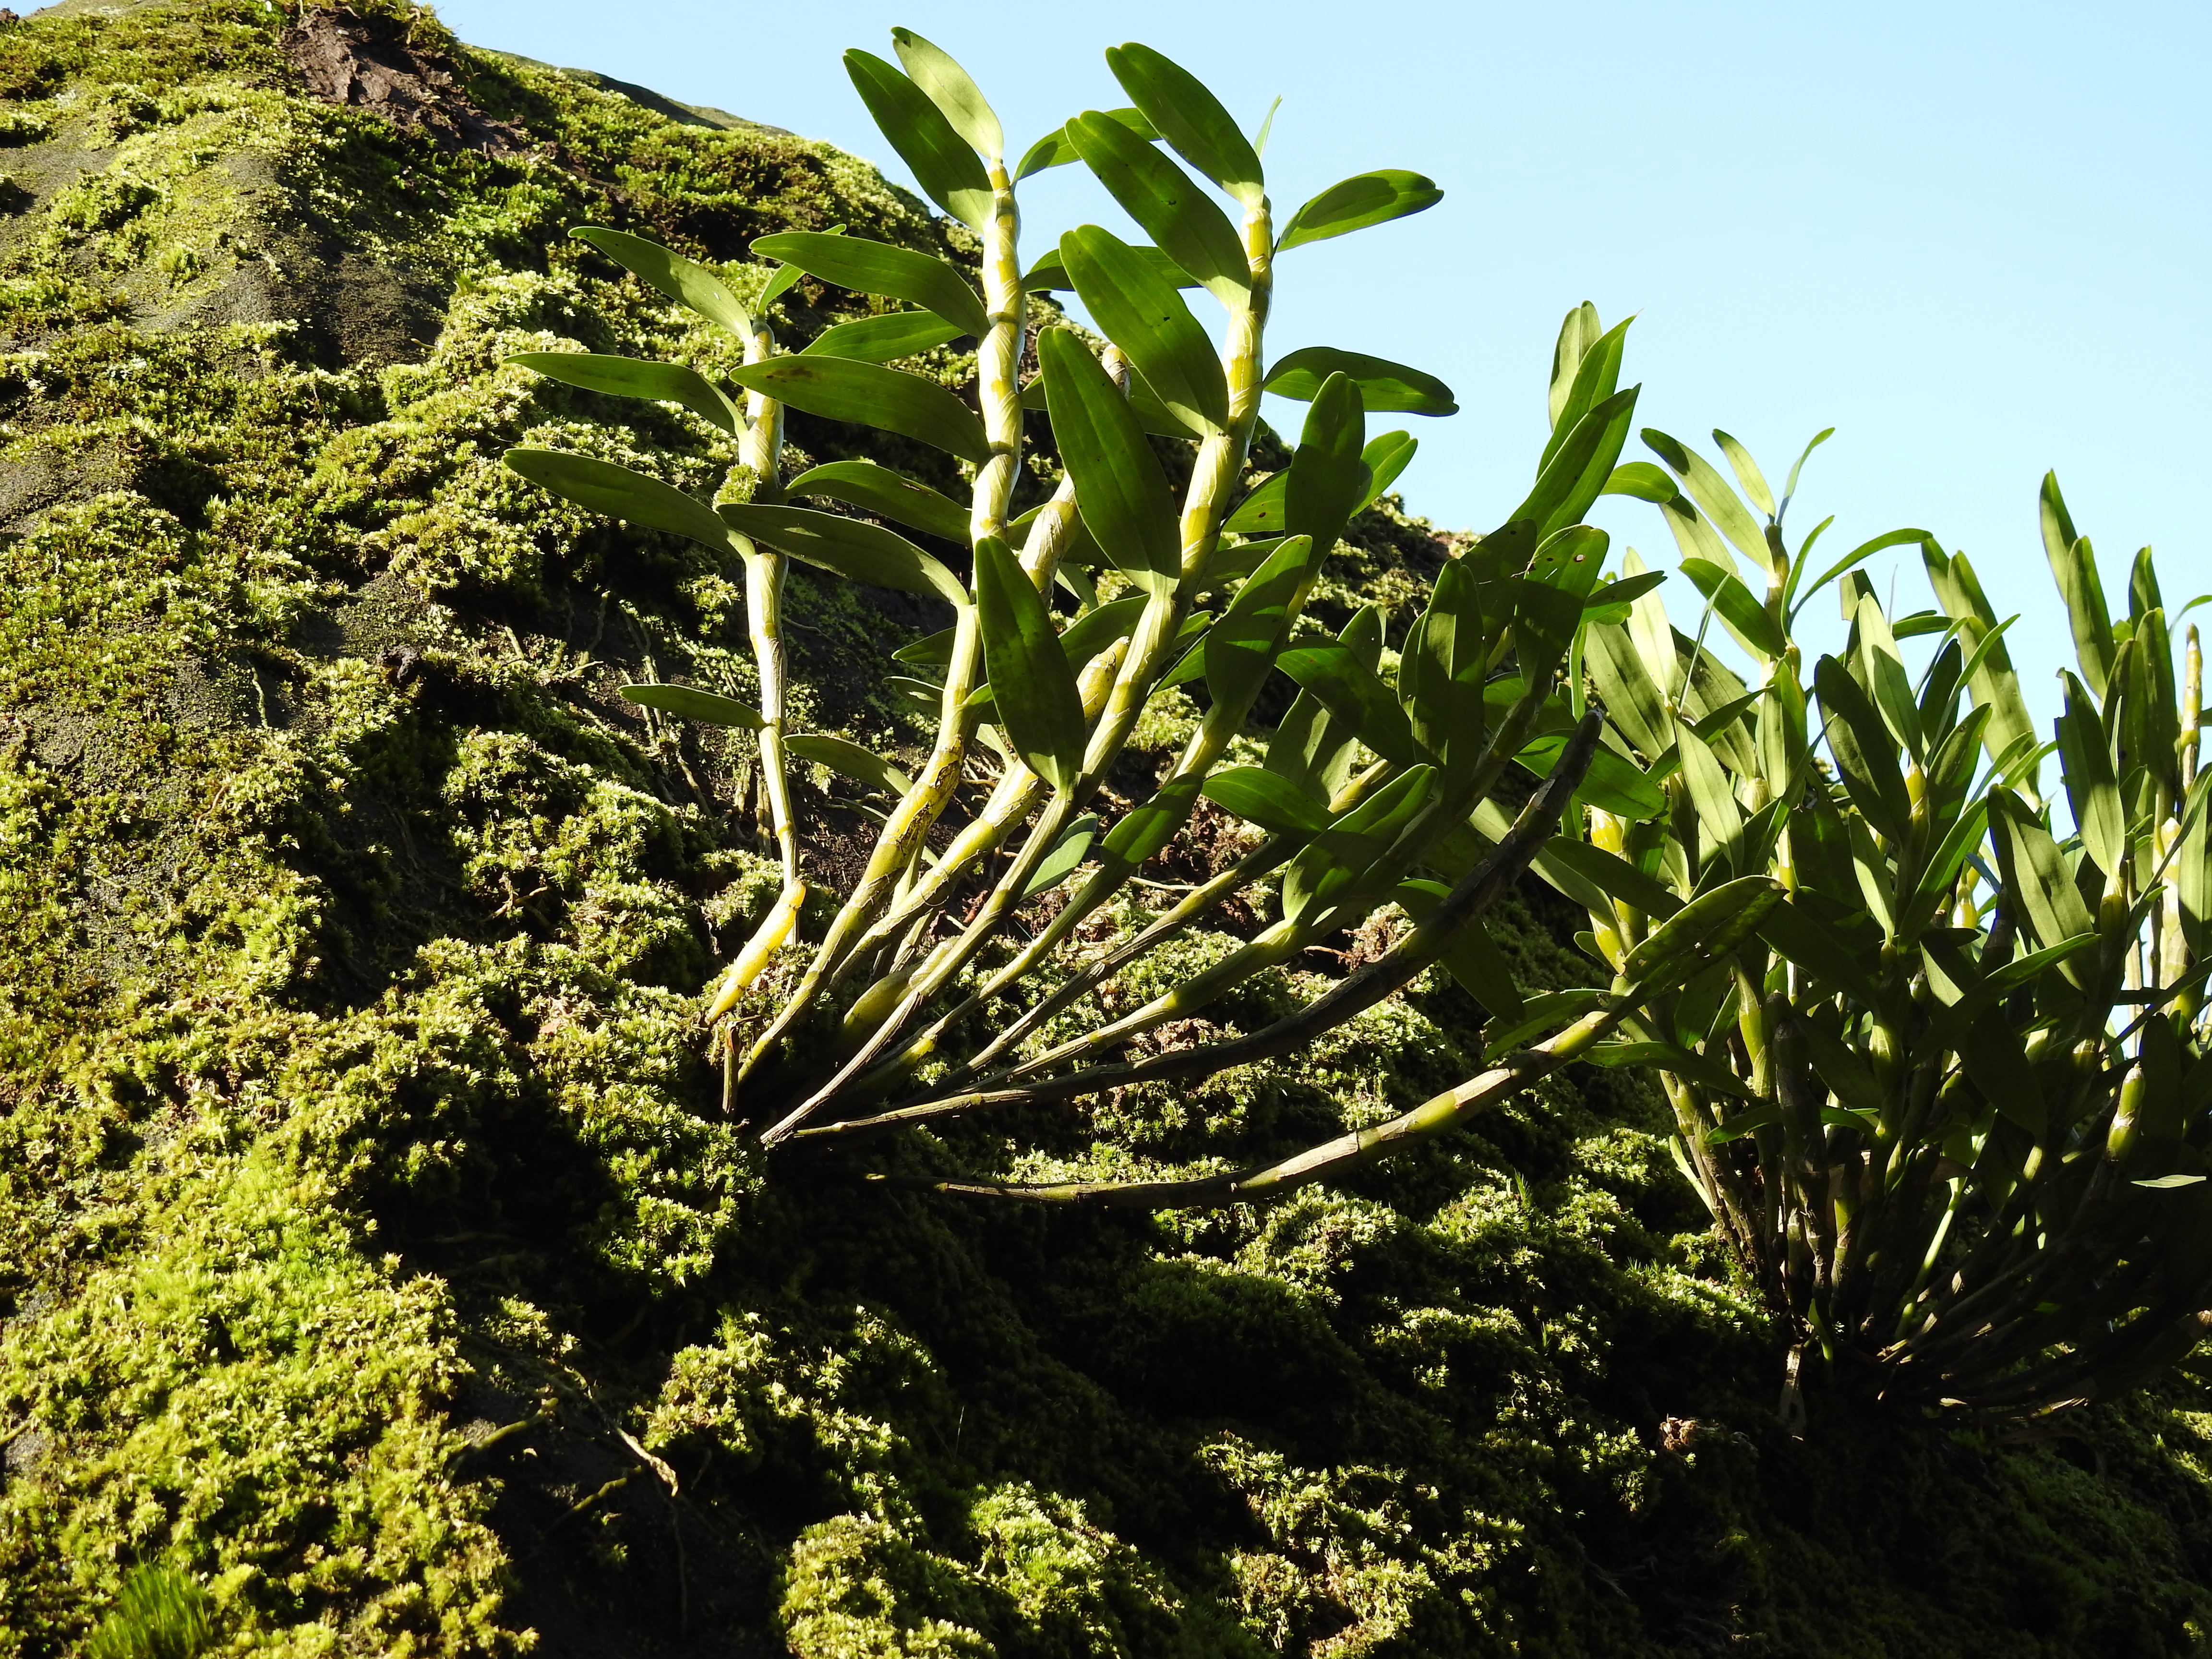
point(1971, 238)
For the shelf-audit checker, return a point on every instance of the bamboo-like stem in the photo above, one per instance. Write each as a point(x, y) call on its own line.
point(997, 367)
point(1167, 926)
point(927, 982)
point(1493, 1086)
point(1219, 468)
point(1285, 938)
point(760, 451)
point(1422, 947)
point(1434, 1116)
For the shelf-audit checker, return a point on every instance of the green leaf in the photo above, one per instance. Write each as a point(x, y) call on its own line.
point(1858, 554)
point(2086, 766)
point(685, 281)
point(1641, 479)
point(849, 760)
point(1384, 386)
point(1267, 125)
point(1385, 457)
point(1713, 922)
point(1797, 934)
point(1546, 1012)
point(1259, 796)
point(1190, 117)
point(1789, 489)
point(1718, 812)
point(1579, 331)
point(1546, 619)
point(1597, 377)
point(2074, 567)
point(1473, 958)
point(1632, 700)
point(1440, 673)
point(1312, 747)
point(948, 87)
point(690, 703)
point(869, 267)
point(1691, 1068)
point(868, 394)
point(933, 649)
point(1608, 596)
point(875, 489)
point(942, 162)
point(1780, 740)
point(1351, 691)
point(784, 278)
point(853, 549)
point(1171, 207)
point(1194, 662)
point(1754, 629)
point(882, 339)
point(1834, 1064)
point(1613, 783)
point(2192, 868)
point(1579, 466)
point(638, 377)
point(1997, 1062)
point(1864, 751)
point(1050, 272)
point(1261, 513)
point(1151, 824)
point(619, 493)
point(1343, 856)
point(1125, 498)
point(1329, 473)
point(1354, 203)
point(1884, 666)
point(2036, 873)
point(1094, 630)
point(1067, 853)
point(1748, 473)
point(1241, 648)
point(1142, 313)
point(1233, 562)
point(1057, 149)
point(1712, 495)
point(1614, 876)
point(1039, 708)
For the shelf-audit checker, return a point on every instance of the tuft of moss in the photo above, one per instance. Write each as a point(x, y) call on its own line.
point(377, 1270)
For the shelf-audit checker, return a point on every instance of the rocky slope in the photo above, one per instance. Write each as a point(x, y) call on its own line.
point(373, 1251)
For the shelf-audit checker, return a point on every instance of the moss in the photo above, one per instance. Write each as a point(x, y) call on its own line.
point(375, 1257)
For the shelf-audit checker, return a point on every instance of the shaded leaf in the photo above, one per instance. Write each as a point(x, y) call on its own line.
point(685, 281)
point(849, 760)
point(942, 162)
point(870, 267)
point(1038, 706)
point(620, 493)
point(1384, 386)
point(882, 339)
point(875, 489)
point(1354, 203)
point(868, 394)
point(690, 703)
point(859, 551)
point(637, 377)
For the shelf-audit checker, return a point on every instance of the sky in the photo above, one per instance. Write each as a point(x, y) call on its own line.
point(1972, 239)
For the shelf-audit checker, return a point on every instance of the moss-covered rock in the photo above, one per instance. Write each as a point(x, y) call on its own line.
point(374, 1255)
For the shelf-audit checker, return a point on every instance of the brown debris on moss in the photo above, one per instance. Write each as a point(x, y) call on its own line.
point(371, 62)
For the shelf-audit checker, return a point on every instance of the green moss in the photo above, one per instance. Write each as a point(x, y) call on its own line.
point(375, 1257)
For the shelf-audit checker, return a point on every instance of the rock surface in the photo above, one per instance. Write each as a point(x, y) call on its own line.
point(372, 1248)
